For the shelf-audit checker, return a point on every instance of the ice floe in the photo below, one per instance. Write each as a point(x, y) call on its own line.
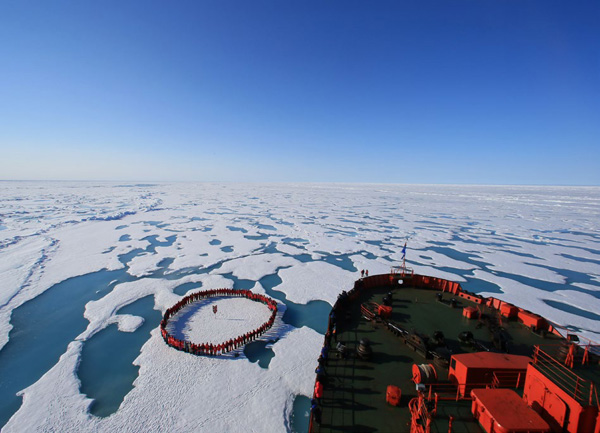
point(538, 247)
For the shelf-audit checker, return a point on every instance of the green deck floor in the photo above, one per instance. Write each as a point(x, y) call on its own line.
point(354, 395)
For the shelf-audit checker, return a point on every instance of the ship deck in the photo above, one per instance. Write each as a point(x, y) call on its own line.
point(354, 396)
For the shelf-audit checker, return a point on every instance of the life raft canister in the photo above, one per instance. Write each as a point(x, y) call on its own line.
point(392, 395)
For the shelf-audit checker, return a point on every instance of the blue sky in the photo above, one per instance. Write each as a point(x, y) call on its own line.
point(481, 92)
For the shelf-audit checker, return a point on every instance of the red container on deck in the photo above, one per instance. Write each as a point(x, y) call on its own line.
point(469, 369)
point(392, 395)
point(532, 320)
point(508, 310)
point(503, 411)
point(384, 311)
point(470, 312)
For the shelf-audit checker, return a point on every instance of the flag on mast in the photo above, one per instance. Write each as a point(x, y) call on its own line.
point(404, 251)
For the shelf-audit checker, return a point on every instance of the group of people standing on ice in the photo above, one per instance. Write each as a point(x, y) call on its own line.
point(227, 346)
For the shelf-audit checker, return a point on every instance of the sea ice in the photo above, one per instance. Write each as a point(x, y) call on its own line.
point(128, 322)
point(538, 247)
point(198, 323)
point(315, 280)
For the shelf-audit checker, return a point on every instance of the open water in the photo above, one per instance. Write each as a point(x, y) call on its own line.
point(43, 327)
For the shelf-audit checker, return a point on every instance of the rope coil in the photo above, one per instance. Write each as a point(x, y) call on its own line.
point(424, 373)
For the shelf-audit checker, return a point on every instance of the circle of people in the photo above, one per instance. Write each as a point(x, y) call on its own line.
point(227, 346)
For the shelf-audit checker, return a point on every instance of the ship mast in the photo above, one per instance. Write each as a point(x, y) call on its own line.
point(402, 270)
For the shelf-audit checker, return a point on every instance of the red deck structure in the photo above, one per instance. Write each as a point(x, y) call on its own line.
point(503, 411)
point(486, 368)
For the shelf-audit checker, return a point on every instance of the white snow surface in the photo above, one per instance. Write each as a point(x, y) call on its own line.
point(234, 317)
point(533, 246)
point(128, 322)
point(302, 281)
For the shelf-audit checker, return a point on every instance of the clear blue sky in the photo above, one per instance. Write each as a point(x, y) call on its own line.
point(484, 92)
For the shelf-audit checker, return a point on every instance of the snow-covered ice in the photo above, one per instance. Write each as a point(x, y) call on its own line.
point(314, 280)
point(538, 247)
point(197, 323)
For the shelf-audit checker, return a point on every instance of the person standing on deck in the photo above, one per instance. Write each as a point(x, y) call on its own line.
point(318, 392)
point(324, 355)
point(316, 411)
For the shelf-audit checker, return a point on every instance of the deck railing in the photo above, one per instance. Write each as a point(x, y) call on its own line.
point(456, 392)
point(419, 412)
point(402, 271)
point(574, 385)
point(368, 310)
point(422, 414)
point(507, 379)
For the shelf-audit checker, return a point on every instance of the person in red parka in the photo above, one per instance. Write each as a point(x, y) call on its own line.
point(318, 391)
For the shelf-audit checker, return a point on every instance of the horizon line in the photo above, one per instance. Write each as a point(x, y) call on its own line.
point(301, 182)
